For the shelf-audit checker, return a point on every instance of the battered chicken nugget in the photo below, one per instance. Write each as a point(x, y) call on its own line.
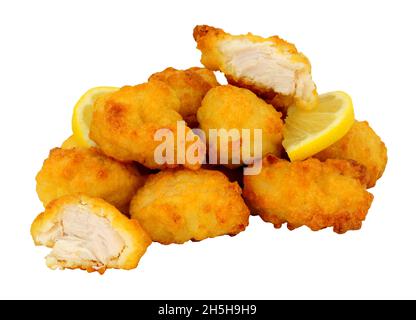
point(267, 66)
point(190, 86)
point(363, 145)
point(175, 206)
point(228, 107)
point(90, 234)
point(311, 193)
point(87, 171)
point(124, 124)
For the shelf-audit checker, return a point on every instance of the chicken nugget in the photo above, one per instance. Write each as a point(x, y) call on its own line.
point(229, 107)
point(190, 86)
point(363, 145)
point(89, 234)
point(87, 171)
point(179, 205)
point(268, 66)
point(311, 193)
point(125, 122)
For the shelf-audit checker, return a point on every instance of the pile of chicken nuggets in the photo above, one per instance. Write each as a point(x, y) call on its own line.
point(104, 205)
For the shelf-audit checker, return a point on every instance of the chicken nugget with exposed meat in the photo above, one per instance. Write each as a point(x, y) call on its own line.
point(87, 171)
point(230, 108)
point(363, 145)
point(125, 125)
point(90, 234)
point(190, 86)
point(269, 67)
point(179, 205)
point(309, 193)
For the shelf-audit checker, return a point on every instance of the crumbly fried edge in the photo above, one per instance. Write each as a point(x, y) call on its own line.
point(205, 74)
point(341, 223)
point(135, 238)
point(206, 38)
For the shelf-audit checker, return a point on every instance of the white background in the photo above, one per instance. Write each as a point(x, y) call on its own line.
point(52, 51)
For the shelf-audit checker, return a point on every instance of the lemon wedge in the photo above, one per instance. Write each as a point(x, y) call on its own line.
point(308, 132)
point(70, 143)
point(82, 115)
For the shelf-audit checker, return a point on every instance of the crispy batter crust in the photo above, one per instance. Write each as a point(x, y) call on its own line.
point(87, 171)
point(190, 86)
point(363, 145)
point(124, 123)
point(175, 206)
point(135, 238)
point(311, 193)
point(207, 39)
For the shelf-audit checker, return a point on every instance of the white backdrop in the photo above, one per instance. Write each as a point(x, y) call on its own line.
point(52, 51)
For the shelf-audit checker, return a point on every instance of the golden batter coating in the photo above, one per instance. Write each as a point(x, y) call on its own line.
point(190, 86)
point(228, 107)
point(175, 206)
point(124, 123)
point(311, 193)
point(269, 67)
point(89, 234)
point(87, 171)
point(363, 145)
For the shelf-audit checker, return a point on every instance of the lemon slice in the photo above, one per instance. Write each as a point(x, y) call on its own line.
point(70, 143)
point(82, 115)
point(307, 132)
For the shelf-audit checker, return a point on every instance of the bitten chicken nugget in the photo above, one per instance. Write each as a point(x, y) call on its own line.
point(228, 107)
point(87, 171)
point(90, 234)
point(124, 124)
point(267, 66)
point(311, 193)
point(363, 145)
point(175, 206)
point(190, 86)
